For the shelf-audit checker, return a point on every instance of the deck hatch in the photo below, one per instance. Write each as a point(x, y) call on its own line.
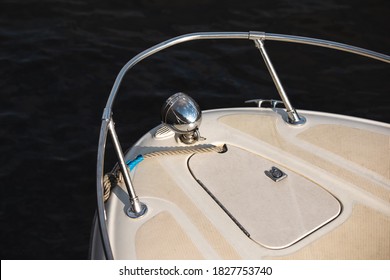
point(275, 215)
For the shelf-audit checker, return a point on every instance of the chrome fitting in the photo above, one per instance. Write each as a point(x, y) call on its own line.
point(137, 209)
point(294, 118)
point(182, 114)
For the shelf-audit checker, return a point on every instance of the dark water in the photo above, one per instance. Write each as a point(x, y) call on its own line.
point(58, 61)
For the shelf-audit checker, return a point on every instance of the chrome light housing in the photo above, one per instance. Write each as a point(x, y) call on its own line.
point(182, 114)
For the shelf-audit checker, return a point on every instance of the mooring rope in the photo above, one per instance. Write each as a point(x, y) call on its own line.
point(112, 178)
point(186, 150)
point(109, 180)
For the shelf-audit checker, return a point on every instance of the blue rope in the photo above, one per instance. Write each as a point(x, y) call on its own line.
point(133, 163)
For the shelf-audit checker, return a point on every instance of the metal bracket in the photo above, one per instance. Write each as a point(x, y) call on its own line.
point(260, 102)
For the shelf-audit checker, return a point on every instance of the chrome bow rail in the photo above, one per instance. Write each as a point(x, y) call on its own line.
point(137, 209)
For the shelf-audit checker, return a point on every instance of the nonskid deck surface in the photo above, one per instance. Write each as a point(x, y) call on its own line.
point(333, 204)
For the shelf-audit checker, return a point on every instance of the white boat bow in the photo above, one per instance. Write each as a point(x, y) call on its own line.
point(267, 182)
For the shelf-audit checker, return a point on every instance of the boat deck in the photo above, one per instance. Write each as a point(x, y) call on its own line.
point(337, 191)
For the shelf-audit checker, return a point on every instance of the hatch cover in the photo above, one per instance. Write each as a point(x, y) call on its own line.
point(275, 214)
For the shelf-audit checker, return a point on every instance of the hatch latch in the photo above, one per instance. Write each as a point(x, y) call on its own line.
point(275, 174)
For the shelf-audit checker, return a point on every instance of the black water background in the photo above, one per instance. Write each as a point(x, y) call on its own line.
point(58, 61)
